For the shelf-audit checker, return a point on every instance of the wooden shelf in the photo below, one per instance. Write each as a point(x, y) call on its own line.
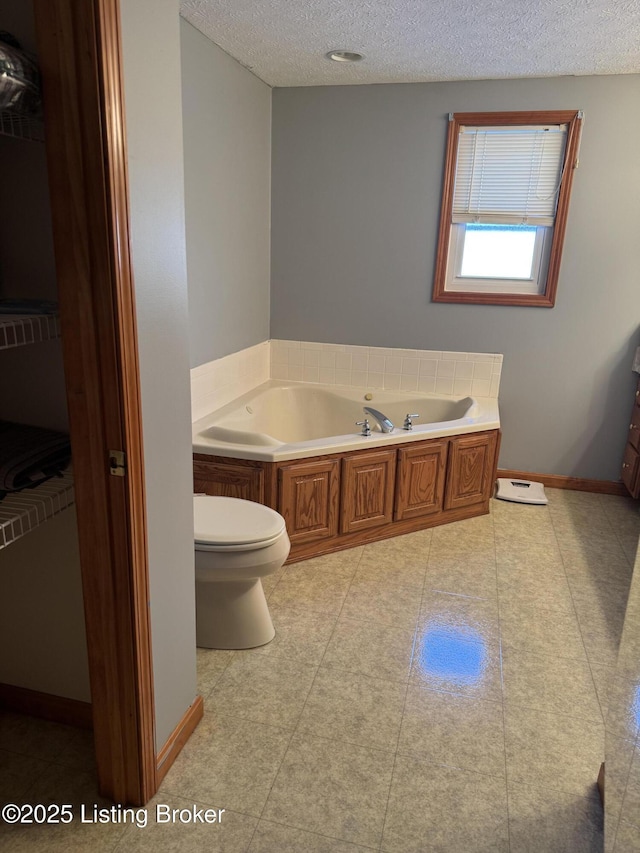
point(18, 330)
point(21, 512)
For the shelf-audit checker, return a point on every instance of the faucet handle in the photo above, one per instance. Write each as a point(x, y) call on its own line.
point(366, 429)
point(408, 424)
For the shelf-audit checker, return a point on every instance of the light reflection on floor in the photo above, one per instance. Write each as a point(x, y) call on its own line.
point(456, 655)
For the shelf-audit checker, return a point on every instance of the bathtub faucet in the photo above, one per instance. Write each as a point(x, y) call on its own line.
point(383, 421)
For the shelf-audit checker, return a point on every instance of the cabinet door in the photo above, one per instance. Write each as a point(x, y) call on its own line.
point(368, 485)
point(634, 427)
point(471, 464)
point(420, 480)
point(630, 470)
point(229, 480)
point(309, 493)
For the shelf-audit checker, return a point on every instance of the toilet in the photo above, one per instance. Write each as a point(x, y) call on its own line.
point(237, 542)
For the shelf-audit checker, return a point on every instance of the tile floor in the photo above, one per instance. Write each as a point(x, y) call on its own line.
point(442, 691)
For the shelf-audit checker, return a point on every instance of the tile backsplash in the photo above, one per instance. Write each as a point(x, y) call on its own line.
point(219, 382)
point(454, 373)
point(433, 371)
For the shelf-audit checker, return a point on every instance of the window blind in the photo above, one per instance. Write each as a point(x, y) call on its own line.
point(508, 175)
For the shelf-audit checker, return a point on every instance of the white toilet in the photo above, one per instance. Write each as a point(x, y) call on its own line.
point(237, 542)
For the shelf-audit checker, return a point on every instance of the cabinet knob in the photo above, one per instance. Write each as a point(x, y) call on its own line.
point(634, 426)
point(625, 464)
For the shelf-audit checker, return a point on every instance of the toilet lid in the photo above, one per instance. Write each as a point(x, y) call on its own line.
point(232, 521)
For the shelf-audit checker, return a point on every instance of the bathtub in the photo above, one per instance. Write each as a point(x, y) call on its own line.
point(280, 421)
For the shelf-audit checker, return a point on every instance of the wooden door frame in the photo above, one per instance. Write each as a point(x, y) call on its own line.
point(80, 54)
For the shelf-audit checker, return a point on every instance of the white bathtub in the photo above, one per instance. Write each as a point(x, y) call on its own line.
point(292, 420)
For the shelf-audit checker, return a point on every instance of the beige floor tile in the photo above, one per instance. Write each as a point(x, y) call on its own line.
point(595, 548)
point(263, 688)
point(550, 592)
point(601, 643)
point(409, 575)
point(543, 560)
point(553, 750)
point(275, 838)
point(631, 800)
point(228, 763)
point(629, 543)
point(543, 632)
point(270, 582)
point(524, 537)
point(466, 616)
point(463, 575)
point(552, 821)
point(17, 774)
point(457, 662)
point(524, 513)
point(381, 602)
point(586, 569)
point(444, 809)
point(455, 730)
point(585, 537)
point(579, 518)
point(627, 838)
point(370, 648)
point(332, 788)
point(318, 591)
point(31, 736)
point(560, 685)
point(166, 834)
point(57, 786)
point(619, 755)
point(575, 498)
point(601, 606)
point(78, 749)
point(211, 663)
point(301, 634)
point(401, 551)
point(623, 715)
point(602, 677)
point(468, 535)
point(339, 564)
point(354, 708)
point(464, 537)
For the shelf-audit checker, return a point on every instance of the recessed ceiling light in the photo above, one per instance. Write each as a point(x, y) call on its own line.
point(344, 56)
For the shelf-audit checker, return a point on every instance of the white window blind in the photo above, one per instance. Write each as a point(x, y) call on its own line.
point(508, 174)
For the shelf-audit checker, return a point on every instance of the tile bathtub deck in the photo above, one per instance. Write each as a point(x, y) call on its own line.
point(442, 691)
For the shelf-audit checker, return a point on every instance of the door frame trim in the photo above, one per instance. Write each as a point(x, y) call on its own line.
point(79, 46)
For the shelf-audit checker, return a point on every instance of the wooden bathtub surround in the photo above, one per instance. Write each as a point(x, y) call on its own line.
point(341, 500)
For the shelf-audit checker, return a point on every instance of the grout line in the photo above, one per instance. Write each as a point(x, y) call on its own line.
point(406, 692)
point(504, 717)
point(295, 728)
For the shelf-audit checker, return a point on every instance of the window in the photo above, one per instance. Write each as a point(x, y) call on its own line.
point(504, 207)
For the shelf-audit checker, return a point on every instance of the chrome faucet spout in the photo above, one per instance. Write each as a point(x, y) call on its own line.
point(383, 421)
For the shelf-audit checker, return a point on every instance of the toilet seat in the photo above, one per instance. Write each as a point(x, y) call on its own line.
point(232, 524)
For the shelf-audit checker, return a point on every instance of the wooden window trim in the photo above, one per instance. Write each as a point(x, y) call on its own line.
point(543, 300)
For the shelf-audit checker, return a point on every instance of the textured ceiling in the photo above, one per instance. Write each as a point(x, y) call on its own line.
point(284, 41)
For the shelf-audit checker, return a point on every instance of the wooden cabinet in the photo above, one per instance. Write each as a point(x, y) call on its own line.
point(470, 471)
point(368, 482)
point(231, 478)
point(308, 499)
point(631, 461)
point(420, 479)
point(338, 501)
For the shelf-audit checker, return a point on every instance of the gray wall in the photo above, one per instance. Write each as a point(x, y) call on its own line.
point(356, 185)
point(151, 48)
point(227, 148)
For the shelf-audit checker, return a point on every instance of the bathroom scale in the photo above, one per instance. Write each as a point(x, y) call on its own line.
point(521, 491)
